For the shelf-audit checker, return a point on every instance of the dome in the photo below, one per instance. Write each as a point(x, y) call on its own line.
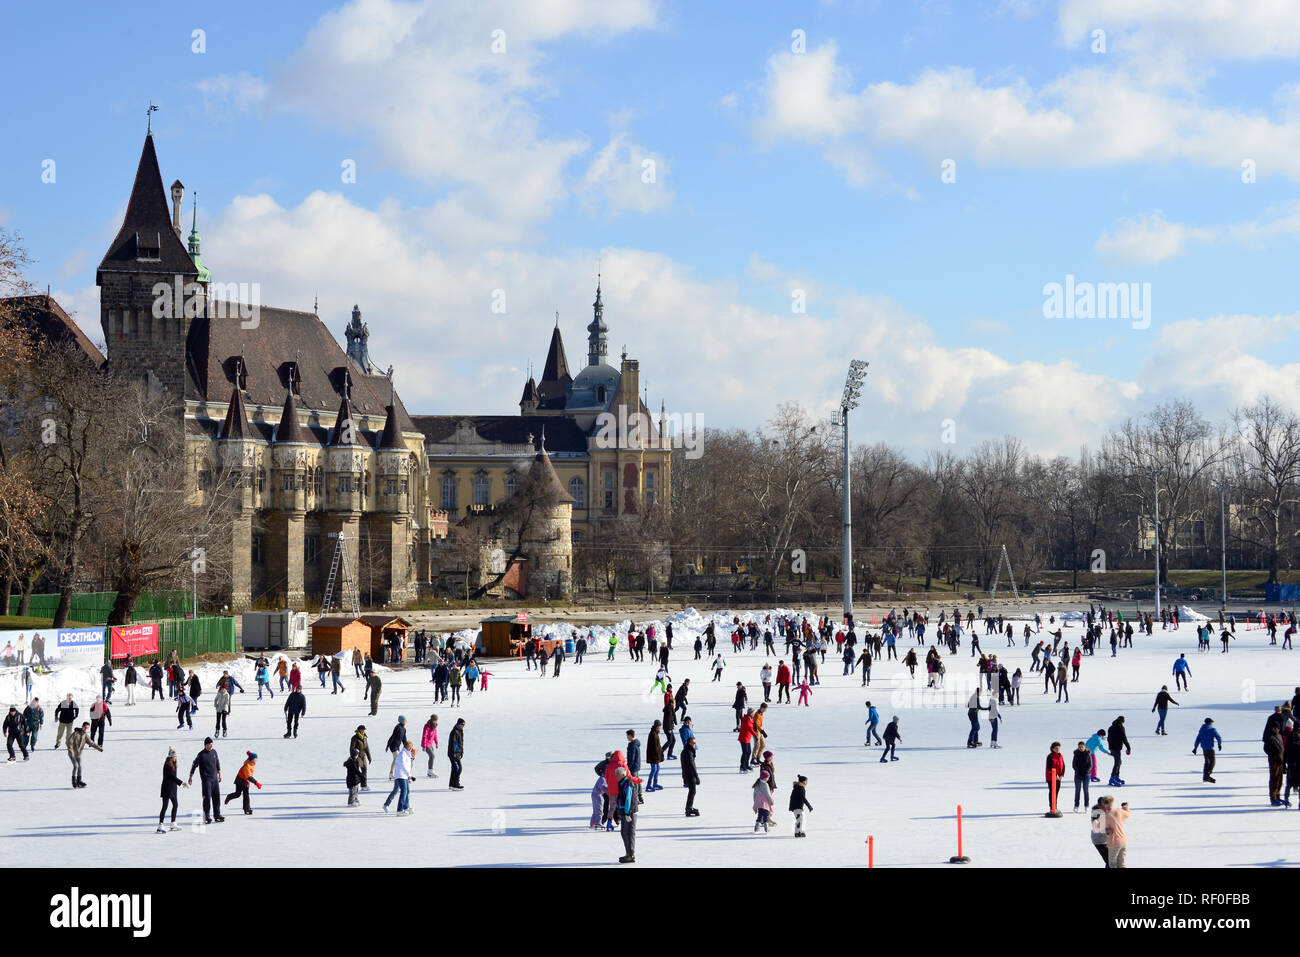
point(585, 392)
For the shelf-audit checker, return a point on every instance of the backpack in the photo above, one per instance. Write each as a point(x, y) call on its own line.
point(626, 795)
point(1098, 826)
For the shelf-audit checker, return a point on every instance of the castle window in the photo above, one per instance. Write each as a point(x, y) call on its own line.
point(609, 490)
point(402, 486)
point(311, 549)
point(481, 488)
point(448, 485)
point(319, 483)
point(600, 394)
point(577, 538)
point(345, 484)
point(390, 486)
point(287, 483)
point(258, 549)
point(512, 483)
point(578, 492)
point(261, 480)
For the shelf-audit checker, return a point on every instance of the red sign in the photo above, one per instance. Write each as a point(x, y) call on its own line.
point(522, 617)
point(133, 640)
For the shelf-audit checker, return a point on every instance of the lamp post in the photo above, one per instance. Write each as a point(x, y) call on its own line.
point(849, 401)
point(1155, 474)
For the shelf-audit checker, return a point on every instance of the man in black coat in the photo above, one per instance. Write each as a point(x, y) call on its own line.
point(209, 768)
point(294, 708)
point(1117, 740)
point(456, 753)
point(689, 776)
point(739, 704)
point(156, 681)
point(1081, 762)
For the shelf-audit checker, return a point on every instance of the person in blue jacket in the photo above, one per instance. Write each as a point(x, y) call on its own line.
point(1097, 743)
point(873, 719)
point(1208, 740)
point(1182, 671)
point(634, 762)
point(687, 731)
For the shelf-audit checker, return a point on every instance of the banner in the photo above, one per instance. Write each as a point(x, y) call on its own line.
point(46, 646)
point(134, 640)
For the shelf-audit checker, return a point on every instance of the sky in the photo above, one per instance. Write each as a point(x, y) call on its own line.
point(768, 190)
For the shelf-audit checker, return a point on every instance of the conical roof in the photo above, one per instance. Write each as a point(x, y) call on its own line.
point(342, 436)
point(288, 430)
point(557, 366)
point(148, 218)
point(530, 392)
point(543, 472)
point(235, 427)
point(392, 437)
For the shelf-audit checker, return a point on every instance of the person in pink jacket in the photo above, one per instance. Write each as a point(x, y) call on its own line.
point(429, 741)
point(805, 690)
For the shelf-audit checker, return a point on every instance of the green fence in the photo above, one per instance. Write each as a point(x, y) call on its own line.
point(191, 637)
point(93, 608)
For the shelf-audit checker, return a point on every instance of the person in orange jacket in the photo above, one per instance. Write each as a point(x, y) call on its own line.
point(243, 779)
point(1053, 773)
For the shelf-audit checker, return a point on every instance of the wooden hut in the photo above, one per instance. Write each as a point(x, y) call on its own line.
point(501, 632)
point(383, 629)
point(333, 633)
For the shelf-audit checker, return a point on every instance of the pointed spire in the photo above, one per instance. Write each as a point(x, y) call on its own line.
point(392, 437)
point(544, 473)
point(194, 245)
point(358, 336)
point(288, 430)
point(147, 241)
point(555, 375)
point(235, 427)
point(596, 329)
point(530, 393)
point(343, 434)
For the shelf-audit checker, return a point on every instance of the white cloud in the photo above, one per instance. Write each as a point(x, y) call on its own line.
point(423, 83)
point(1151, 238)
point(1213, 29)
point(1088, 118)
point(624, 177)
point(231, 93)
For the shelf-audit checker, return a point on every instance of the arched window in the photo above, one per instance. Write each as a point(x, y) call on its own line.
point(512, 483)
point(448, 486)
point(578, 492)
point(318, 482)
point(481, 487)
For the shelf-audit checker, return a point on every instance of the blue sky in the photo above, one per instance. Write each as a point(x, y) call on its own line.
point(776, 169)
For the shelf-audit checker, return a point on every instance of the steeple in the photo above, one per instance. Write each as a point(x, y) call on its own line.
point(235, 427)
point(528, 401)
point(148, 241)
point(288, 430)
point(358, 336)
point(204, 274)
point(555, 375)
point(343, 434)
point(596, 329)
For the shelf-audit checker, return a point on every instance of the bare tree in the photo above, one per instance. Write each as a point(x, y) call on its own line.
point(1267, 456)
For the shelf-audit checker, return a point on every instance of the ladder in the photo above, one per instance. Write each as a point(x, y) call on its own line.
point(341, 575)
point(1003, 559)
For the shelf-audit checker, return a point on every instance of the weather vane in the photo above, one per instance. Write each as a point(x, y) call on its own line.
point(148, 115)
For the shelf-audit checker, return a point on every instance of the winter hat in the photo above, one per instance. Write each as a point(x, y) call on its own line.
point(252, 755)
point(171, 752)
point(401, 719)
point(767, 754)
point(1209, 721)
point(361, 727)
point(762, 775)
point(207, 740)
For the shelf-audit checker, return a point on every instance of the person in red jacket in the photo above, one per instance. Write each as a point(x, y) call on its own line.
point(295, 678)
point(782, 682)
point(617, 760)
point(746, 739)
point(1054, 772)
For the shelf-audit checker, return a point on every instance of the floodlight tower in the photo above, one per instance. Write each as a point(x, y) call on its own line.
point(849, 400)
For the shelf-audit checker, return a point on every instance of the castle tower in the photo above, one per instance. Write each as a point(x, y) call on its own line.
point(388, 544)
point(345, 471)
point(528, 402)
point(286, 502)
point(148, 293)
point(237, 456)
point(549, 541)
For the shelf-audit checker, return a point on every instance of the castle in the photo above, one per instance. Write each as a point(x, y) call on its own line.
point(323, 446)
